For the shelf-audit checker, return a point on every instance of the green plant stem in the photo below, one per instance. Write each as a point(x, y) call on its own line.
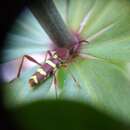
point(46, 13)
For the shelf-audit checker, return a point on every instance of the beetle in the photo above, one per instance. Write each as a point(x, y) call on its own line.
point(57, 58)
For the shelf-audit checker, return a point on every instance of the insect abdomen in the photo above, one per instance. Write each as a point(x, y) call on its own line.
point(44, 72)
point(37, 77)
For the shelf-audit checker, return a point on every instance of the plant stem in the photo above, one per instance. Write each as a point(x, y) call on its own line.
point(46, 13)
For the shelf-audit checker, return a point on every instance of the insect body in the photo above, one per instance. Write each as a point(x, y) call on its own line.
point(57, 58)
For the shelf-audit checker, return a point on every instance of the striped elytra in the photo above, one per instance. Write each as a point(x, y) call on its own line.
point(46, 70)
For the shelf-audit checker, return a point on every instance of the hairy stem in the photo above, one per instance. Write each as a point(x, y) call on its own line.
point(46, 13)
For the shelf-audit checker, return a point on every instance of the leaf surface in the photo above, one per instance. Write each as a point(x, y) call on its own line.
point(102, 84)
point(26, 37)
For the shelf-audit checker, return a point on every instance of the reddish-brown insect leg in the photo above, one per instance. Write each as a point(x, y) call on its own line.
point(46, 54)
point(77, 83)
point(55, 84)
point(83, 41)
point(21, 64)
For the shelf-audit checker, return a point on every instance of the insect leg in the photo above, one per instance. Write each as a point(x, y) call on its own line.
point(46, 54)
point(21, 64)
point(86, 56)
point(83, 41)
point(74, 79)
point(55, 84)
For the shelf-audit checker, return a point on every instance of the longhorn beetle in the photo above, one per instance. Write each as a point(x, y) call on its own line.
point(57, 58)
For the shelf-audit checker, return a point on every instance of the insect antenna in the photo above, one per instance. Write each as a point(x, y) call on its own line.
point(82, 41)
point(74, 79)
point(86, 56)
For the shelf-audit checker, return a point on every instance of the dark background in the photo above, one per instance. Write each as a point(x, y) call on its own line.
point(9, 10)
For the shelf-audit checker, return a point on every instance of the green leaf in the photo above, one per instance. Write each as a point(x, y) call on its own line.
point(61, 77)
point(57, 115)
point(117, 50)
point(107, 29)
point(26, 37)
point(106, 13)
point(77, 9)
point(102, 84)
